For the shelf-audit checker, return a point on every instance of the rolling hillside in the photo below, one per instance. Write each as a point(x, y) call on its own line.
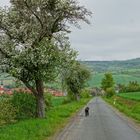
point(96, 79)
point(114, 66)
point(123, 71)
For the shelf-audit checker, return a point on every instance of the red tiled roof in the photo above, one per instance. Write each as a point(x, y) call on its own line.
point(55, 92)
point(1, 88)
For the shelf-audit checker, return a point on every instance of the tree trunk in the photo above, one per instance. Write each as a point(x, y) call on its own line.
point(40, 101)
point(77, 97)
point(40, 106)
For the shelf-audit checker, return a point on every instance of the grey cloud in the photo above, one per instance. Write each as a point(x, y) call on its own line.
point(4, 3)
point(114, 33)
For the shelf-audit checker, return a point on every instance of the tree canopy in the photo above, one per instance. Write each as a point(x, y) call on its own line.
point(75, 79)
point(107, 81)
point(34, 43)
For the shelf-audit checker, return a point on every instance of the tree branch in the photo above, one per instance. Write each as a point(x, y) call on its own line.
point(37, 17)
point(29, 87)
point(6, 31)
point(4, 53)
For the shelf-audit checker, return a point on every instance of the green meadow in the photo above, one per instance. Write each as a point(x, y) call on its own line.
point(131, 95)
point(96, 79)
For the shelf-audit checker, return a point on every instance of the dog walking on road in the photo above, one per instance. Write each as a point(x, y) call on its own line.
point(87, 111)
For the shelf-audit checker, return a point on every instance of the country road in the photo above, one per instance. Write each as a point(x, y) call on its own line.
point(102, 124)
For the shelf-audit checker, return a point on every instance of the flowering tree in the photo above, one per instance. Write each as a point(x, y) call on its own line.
point(75, 79)
point(33, 40)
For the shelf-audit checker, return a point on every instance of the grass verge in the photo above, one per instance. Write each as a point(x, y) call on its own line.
point(129, 107)
point(40, 129)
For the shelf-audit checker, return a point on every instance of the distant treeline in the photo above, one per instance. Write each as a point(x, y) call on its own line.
point(103, 66)
point(133, 86)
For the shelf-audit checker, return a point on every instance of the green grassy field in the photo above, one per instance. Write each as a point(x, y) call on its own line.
point(131, 95)
point(128, 106)
point(56, 101)
point(41, 129)
point(96, 79)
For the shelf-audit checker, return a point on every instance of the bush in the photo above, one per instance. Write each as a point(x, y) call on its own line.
point(48, 100)
point(7, 110)
point(26, 105)
point(66, 100)
point(85, 93)
point(71, 96)
point(110, 92)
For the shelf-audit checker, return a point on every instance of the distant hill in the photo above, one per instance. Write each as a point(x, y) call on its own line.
point(123, 71)
point(113, 66)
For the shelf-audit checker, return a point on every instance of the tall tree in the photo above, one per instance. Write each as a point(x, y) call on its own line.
point(31, 40)
point(107, 81)
point(75, 79)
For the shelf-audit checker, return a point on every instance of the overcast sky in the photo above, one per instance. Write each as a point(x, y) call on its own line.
point(114, 33)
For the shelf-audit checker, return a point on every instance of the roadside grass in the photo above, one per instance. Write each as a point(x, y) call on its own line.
point(57, 101)
point(131, 95)
point(40, 129)
point(129, 107)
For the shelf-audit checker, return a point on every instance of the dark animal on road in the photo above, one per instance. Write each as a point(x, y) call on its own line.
point(87, 111)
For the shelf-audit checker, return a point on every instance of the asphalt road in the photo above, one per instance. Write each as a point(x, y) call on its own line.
point(102, 124)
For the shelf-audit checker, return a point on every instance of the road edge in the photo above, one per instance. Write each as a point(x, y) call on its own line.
point(68, 124)
point(130, 121)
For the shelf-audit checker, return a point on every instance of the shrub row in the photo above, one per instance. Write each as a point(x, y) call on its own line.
point(133, 86)
point(19, 106)
point(22, 105)
point(7, 110)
